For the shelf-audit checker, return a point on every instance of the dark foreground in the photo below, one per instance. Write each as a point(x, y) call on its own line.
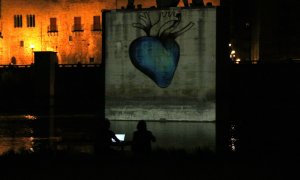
point(161, 164)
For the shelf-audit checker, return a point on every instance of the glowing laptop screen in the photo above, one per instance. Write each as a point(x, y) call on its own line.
point(121, 137)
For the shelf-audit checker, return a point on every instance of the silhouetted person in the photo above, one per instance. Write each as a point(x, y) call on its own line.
point(142, 138)
point(104, 138)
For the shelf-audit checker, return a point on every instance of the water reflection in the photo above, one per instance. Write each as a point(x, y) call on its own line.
point(15, 134)
point(233, 137)
point(74, 133)
point(19, 133)
point(30, 117)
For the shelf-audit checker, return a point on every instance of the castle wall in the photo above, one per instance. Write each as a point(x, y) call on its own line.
point(72, 47)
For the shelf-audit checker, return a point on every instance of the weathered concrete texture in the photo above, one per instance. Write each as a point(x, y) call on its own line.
point(153, 110)
point(191, 94)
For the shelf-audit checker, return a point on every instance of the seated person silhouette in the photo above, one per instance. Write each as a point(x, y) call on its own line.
point(142, 138)
point(104, 137)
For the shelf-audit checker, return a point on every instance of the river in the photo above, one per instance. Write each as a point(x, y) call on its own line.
point(73, 132)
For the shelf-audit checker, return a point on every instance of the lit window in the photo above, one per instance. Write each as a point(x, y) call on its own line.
point(30, 20)
point(96, 25)
point(17, 21)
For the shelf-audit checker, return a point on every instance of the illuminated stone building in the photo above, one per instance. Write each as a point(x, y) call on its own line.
point(72, 28)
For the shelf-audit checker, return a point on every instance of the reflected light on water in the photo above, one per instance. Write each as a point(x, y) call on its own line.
point(232, 145)
point(16, 133)
point(16, 145)
point(30, 117)
point(27, 133)
point(233, 139)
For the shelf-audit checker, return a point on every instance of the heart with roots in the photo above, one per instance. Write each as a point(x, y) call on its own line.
point(157, 54)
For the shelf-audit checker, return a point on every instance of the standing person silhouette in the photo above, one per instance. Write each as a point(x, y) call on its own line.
point(142, 139)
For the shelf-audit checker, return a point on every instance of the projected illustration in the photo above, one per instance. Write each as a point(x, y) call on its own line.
point(157, 54)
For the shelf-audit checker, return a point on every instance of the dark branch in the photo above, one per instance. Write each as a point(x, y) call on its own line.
point(183, 30)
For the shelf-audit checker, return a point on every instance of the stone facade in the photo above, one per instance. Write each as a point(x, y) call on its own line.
point(26, 27)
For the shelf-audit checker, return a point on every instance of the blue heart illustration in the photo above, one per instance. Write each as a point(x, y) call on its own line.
point(156, 58)
point(157, 53)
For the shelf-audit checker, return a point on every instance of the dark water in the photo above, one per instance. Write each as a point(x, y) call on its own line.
point(31, 133)
point(74, 133)
point(16, 133)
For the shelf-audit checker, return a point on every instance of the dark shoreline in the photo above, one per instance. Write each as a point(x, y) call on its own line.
point(175, 164)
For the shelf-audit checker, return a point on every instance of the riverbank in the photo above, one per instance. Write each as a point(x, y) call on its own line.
point(162, 164)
